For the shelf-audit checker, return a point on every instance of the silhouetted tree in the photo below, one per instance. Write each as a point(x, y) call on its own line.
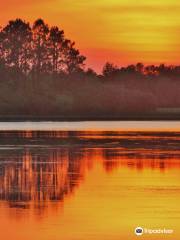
point(56, 48)
point(150, 70)
point(15, 44)
point(139, 67)
point(41, 61)
point(109, 69)
point(73, 59)
point(91, 73)
point(131, 68)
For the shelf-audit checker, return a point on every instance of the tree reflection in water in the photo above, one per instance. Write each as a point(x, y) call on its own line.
point(34, 173)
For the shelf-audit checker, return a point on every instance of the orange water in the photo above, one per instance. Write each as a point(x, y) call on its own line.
point(89, 189)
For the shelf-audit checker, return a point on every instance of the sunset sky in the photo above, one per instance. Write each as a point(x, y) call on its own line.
point(119, 31)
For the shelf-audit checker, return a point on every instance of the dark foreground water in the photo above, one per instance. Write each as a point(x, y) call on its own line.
point(90, 183)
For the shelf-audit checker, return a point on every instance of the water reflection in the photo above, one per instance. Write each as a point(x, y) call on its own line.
point(40, 170)
point(41, 173)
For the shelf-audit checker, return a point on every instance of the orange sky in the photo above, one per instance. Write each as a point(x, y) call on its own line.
point(119, 31)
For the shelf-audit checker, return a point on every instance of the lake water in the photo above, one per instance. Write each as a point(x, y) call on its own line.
point(89, 180)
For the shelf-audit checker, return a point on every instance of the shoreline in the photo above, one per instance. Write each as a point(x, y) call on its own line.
point(88, 118)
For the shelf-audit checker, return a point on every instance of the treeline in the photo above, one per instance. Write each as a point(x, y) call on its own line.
point(39, 49)
point(42, 74)
point(140, 70)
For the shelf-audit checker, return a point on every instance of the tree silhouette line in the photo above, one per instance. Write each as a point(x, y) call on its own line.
point(43, 74)
point(110, 70)
point(40, 49)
